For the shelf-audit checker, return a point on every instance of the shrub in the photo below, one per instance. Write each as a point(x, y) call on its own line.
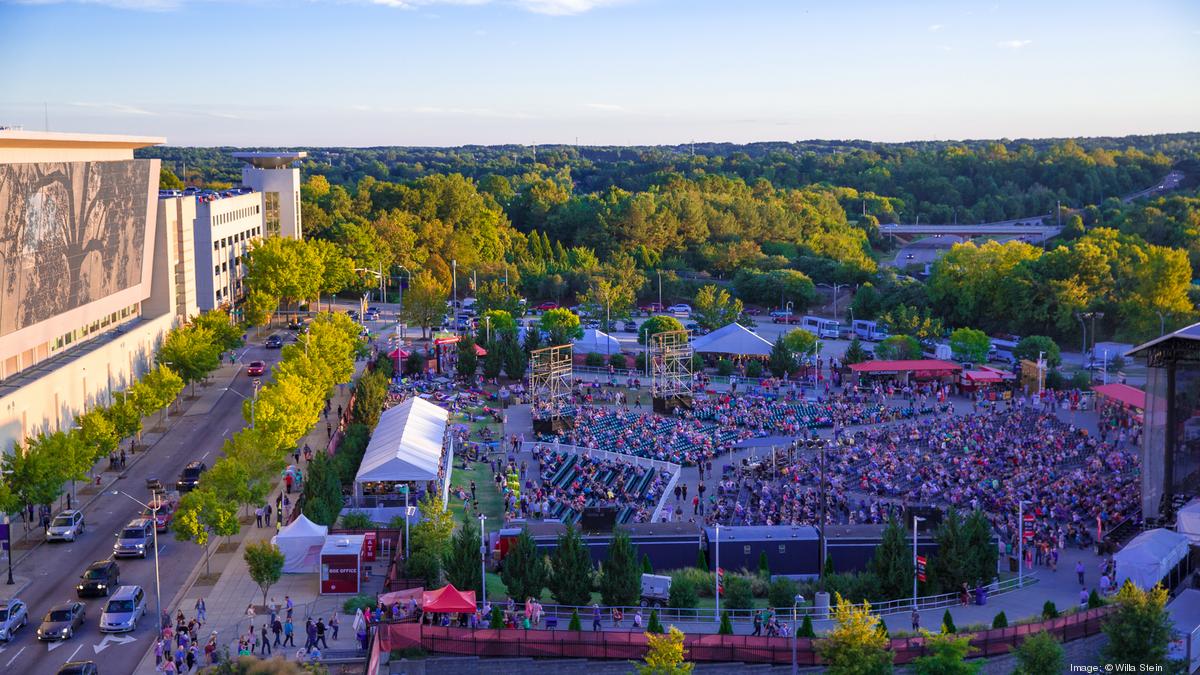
point(726, 627)
point(1049, 611)
point(1094, 600)
point(700, 580)
point(654, 625)
point(1082, 380)
point(496, 620)
point(754, 369)
point(1039, 653)
point(725, 367)
point(764, 564)
point(594, 360)
point(574, 624)
point(738, 594)
point(618, 361)
point(408, 653)
point(683, 595)
point(360, 601)
point(701, 560)
point(948, 623)
point(1001, 621)
point(357, 520)
point(806, 628)
point(781, 593)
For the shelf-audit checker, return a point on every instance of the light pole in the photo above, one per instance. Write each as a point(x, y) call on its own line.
point(487, 321)
point(483, 558)
point(717, 575)
point(824, 559)
point(1082, 329)
point(157, 587)
point(252, 399)
point(1020, 543)
point(660, 305)
point(454, 283)
point(796, 601)
point(916, 519)
point(836, 288)
point(1041, 365)
point(1162, 323)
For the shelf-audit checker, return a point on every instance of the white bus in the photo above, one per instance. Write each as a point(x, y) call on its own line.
point(822, 328)
point(870, 331)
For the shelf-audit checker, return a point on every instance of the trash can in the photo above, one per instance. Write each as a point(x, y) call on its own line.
point(981, 595)
point(1013, 564)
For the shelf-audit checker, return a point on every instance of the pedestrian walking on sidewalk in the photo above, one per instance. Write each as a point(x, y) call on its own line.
point(333, 624)
point(277, 629)
point(201, 611)
point(916, 621)
point(321, 634)
point(266, 642)
point(1079, 570)
point(258, 514)
point(289, 630)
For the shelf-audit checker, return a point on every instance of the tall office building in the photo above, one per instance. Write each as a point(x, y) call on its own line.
point(272, 174)
point(90, 280)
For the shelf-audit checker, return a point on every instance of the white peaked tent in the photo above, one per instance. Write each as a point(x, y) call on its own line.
point(297, 541)
point(597, 342)
point(1150, 557)
point(406, 444)
point(1188, 521)
point(732, 339)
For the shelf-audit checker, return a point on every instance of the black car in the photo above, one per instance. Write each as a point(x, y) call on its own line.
point(79, 668)
point(189, 478)
point(274, 342)
point(100, 578)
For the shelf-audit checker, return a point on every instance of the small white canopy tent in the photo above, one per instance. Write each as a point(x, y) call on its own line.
point(733, 339)
point(297, 543)
point(1188, 521)
point(406, 444)
point(597, 342)
point(1150, 557)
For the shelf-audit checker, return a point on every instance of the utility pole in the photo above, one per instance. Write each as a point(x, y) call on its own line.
point(454, 279)
point(916, 519)
point(824, 553)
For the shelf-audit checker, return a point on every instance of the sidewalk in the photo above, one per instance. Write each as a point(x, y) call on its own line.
point(229, 589)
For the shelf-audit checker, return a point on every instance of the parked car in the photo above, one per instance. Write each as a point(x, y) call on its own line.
point(13, 617)
point(777, 313)
point(78, 668)
point(100, 578)
point(274, 342)
point(787, 318)
point(61, 621)
point(629, 326)
point(134, 539)
point(256, 368)
point(123, 609)
point(681, 308)
point(189, 478)
point(546, 306)
point(652, 307)
point(66, 526)
point(693, 328)
point(752, 311)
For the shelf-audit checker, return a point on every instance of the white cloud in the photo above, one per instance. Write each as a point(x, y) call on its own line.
point(1014, 44)
point(118, 108)
point(936, 27)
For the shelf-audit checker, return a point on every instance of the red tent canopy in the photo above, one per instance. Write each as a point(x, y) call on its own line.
point(448, 599)
point(931, 366)
point(398, 354)
point(480, 351)
point(1123, 394)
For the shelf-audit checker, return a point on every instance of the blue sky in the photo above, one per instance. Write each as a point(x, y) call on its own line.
point(453, 72)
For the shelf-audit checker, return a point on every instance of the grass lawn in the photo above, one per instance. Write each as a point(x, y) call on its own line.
point(497, 591)
point(491, 503)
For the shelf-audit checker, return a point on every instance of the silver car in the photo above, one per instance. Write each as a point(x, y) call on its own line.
point(66, 526)
point(13, 617)
point(123, 610)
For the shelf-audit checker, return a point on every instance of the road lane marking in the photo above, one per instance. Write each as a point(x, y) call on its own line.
point(14, 658)
point(51, 646)
point(72, 656)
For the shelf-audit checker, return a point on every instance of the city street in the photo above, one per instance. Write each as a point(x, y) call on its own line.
point(54, 568)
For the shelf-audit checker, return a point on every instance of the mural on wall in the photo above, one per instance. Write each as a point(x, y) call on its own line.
point(70, 233)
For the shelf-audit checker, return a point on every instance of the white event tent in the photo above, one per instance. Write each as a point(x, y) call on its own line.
point(733, 339)
point(597, 342)
point(1188, 521)
point(301, 542)
point(406, 445)
point(1150, 557)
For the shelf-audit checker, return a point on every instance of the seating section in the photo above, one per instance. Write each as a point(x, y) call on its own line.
point(571, 482)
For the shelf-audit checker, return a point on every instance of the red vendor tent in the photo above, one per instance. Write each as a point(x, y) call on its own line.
point(448, 599)
point(1123, 394)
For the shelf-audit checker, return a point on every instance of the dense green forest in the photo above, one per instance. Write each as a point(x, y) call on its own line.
point(774, 219)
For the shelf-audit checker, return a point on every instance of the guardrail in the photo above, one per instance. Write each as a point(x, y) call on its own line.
point(562, 613)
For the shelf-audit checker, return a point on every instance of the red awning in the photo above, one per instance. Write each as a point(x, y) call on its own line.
point(988, 375)
point(448, 599)
point(1123, 394)
point(925, 366)
point(398, 354)
point(480, 351)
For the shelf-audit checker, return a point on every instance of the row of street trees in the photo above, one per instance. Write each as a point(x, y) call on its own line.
point(38, 471)
point(283, 412)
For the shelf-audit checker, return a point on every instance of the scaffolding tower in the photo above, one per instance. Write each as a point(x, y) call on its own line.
point(670, 364)
point(550, 370)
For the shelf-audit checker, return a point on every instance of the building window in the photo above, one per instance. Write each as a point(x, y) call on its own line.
point(271, 220)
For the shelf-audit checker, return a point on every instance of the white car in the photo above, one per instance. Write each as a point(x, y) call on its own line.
point(13, 617)
point(681, 308)
point(66, 526)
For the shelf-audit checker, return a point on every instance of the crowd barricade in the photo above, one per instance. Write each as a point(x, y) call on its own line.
point(631, 645)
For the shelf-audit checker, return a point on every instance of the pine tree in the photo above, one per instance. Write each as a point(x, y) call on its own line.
point(726, 627)
point(496, 620)
point(701, 560)
point(948, 623)
point(1001, 621)
point(781, 360)
point(892, 562)
point(1094, 600)
point(1049, 610)
point(620, 578)
point(647, 568)
point(946, 568)
point(468, 360)
point(806, 628)
point(571, 570)
point(575, 624)
point(654, 625)
point(764, 565)
point(980, 555)
point(462, 563)
point(855, 353)
point(524, 570)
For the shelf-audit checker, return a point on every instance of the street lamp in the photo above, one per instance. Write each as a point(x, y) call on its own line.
point(836, 288)
point(796, 602)
point(157, 587)
point(252, 399)
point(483, 558)
point(916, 519)
point(1020, 542)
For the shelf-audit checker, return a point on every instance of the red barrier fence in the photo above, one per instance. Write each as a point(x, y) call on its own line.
point(721, 648)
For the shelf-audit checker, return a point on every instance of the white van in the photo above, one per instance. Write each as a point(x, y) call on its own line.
point(822, 328)
point(871, 331)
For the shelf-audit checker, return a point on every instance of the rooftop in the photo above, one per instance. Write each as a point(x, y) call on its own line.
point(270, 160)
point(20, 138)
